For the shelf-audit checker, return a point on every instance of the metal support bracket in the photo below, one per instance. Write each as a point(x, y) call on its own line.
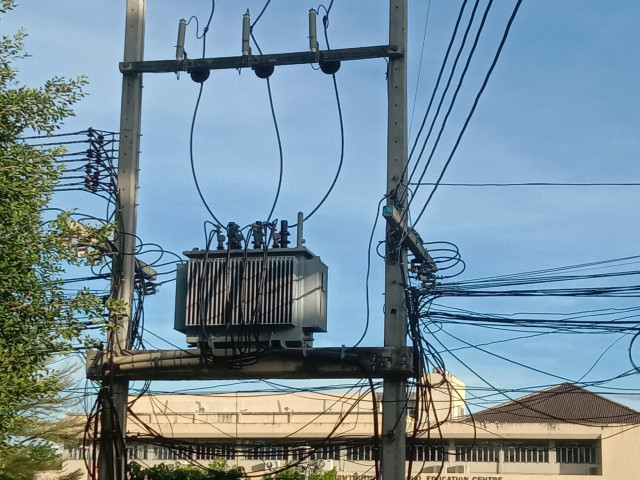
point(410, 238)
point(254, 61)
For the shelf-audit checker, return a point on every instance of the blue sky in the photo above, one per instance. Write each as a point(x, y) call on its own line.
point(561, 106)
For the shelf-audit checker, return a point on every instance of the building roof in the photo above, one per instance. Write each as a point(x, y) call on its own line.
point(564, 403)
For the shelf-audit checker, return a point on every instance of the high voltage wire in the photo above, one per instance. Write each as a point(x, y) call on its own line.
point(494, 62)
point(442, 98)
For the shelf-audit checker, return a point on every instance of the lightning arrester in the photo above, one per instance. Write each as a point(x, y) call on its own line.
point(313, 34)
point(182, 27)
point(246, 33)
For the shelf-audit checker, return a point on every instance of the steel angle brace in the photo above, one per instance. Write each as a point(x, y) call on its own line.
point(325, 362)
point(410, 239)
point(252, 61)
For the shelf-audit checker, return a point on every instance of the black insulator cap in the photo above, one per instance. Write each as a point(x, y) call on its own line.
point(258, 236)
point(199, 75)
point(234, 236)
point(264, 71)
point(329, 66)
point(284, 234)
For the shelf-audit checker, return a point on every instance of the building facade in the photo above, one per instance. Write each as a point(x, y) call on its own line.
point(557, 432)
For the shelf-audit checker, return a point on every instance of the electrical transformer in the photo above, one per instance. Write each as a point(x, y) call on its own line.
point(275, 297)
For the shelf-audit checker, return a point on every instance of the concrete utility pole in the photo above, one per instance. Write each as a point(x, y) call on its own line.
point(394, 399)
point(112, 457)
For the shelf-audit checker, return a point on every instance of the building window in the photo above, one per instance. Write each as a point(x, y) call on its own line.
point(526, 453)
point(576, 453)
point(299, 453)
point(487, 452)
point(266, 452)
point(164, 453)
point(361, 453)
point(75, 452)
point(176, 453)
point(326, 452)
point(78, 452)
point(427, 452)
point(205, 452)
point(136, 451)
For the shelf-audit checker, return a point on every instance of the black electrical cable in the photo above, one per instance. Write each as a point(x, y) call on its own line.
point(368, 306)
point(633, 340)
point(473, 108)
point(325, 23)
point(205, 30)
point(193, 168)
point(600, 357)
point(203, 37)
point(260, 14)
point(454, 97)
point(439, 78)
point(516, 401)
point(275, 124)
point(337, 175)
point(442, 67)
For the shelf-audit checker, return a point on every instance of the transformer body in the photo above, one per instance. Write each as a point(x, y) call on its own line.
point(243, 299)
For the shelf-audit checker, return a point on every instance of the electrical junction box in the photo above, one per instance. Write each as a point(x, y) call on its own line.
point(231, 298)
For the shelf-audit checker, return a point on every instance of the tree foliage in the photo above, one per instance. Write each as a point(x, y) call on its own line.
point(37, 318)
point(216, 471)
point(34, 447)
point(297, 473)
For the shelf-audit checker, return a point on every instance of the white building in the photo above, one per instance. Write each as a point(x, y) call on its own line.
point(563, 430)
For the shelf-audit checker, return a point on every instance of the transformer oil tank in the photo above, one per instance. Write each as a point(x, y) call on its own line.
point(274, 298)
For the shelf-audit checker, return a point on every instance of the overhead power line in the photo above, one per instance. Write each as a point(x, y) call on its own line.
point(505, 35)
